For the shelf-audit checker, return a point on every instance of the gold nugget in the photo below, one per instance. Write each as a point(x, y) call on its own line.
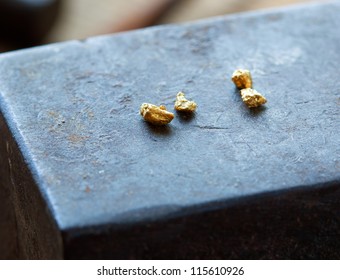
point(242, 79)
point(156, 115)
point(252, 98)
point(184, 105)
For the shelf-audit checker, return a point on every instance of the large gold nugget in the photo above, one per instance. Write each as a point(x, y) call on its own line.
point(242, 79)
point(156, 115)
point(184, 105)
point(252, 98)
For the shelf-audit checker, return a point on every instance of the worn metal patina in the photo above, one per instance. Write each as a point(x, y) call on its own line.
point(84, 176)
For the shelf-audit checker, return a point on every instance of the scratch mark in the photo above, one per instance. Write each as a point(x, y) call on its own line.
point(304, 102)
point(218, 118)
point(250, 148)
point(211, 127)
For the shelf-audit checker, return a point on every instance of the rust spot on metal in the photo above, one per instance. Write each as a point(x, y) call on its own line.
point(74, 138)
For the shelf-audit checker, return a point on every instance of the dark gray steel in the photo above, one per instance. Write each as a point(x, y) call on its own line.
point(88, 178)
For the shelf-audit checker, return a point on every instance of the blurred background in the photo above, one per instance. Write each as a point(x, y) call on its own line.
point(25, 23)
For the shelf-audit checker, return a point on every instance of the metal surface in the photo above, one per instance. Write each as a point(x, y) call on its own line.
point(117, 187)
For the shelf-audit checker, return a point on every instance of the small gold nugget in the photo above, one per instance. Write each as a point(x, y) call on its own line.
point(156, 115)
point(252, 98)
point(184, 105)
point(242, 79)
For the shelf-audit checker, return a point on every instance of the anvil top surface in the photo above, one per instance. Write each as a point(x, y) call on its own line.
point(74, 110)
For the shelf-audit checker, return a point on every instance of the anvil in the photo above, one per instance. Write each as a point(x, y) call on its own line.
point(83, 176)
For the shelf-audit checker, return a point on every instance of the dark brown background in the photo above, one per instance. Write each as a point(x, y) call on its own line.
point(84, 18)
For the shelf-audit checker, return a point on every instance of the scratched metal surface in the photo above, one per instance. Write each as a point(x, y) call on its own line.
point(73, 109)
